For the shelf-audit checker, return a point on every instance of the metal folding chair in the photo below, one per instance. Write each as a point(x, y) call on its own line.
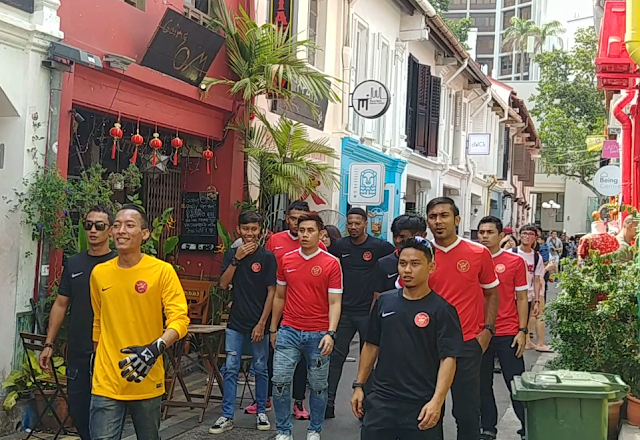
point(35, 343)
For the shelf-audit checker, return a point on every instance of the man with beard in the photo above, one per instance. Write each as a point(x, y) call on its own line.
point(404, 227)
point(415, 336)
point(511, 326)
point(358, 254)
point(466, 278)
point(74, 292)
point(308, 299)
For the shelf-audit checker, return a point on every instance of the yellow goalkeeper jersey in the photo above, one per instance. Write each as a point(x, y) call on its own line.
point(128, 306)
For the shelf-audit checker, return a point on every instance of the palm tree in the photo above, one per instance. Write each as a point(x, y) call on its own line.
point(283, 156)
point(551, 29)
point(516, 37)
point(264, 62)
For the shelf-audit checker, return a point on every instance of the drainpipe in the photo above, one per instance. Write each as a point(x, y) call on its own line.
point(489, 97)
point(635, 113)
point(632, 36)
point(457, 72)
point(347, 54)
point(625, 121)
point(505, 109)
point(427, 8)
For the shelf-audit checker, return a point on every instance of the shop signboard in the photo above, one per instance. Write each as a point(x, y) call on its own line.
point(182, 48)
point(366, 184)
point(608, 180)
point(370, 99)
point(23, 5)
point(199, 227)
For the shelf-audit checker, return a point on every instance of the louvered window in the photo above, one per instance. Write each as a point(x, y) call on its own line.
point(423, 108)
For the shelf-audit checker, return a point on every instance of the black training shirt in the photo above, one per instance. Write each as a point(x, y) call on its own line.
point(254, 274)
point(387, 273)
point(75, 285)
point(413, 337)
point(358, 271)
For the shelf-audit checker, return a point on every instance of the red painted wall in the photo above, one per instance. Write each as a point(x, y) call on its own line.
point(112, 26)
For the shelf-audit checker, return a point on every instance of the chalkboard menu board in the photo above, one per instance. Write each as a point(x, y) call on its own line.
point(182, 48)
point(24, 5)
point(199, 221)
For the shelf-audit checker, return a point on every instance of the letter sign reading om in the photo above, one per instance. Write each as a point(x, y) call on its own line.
point(368, 183)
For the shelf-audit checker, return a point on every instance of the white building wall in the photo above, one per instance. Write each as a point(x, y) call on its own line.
point(24, 113)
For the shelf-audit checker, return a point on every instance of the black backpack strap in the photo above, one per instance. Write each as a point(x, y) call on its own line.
point(514, 250)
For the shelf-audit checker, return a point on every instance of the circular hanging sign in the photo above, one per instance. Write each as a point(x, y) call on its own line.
point(608, 180)
point(370, 99)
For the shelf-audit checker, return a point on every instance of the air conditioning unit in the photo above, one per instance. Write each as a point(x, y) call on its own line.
point(414, 28)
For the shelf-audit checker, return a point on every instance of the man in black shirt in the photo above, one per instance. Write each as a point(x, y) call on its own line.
point(251, 270)
point(403, 228)
point(415, 336)
point(74, 291)
point(358, 254)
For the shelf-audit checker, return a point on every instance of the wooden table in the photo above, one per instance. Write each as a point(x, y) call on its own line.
point(175, 358)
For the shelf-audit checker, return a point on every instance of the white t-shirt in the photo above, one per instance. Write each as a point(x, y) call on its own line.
point(530, 259)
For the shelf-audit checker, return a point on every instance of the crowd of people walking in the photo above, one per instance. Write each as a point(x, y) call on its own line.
point(432, 316)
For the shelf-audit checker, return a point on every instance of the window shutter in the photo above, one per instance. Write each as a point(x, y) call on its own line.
point(504, 171)
point(422, 119)
point(412, 102)
point(372, 63)
point(519, 160)
point(435, 88)
point(478, 121)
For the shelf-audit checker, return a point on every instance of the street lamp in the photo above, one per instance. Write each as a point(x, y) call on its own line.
point(551, 207)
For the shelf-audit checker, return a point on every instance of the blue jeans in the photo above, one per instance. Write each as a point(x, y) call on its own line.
point(107, 418)
point(234, 343)
point(292, 344)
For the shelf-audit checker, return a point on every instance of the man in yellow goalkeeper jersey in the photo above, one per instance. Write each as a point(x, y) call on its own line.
point(129, 295)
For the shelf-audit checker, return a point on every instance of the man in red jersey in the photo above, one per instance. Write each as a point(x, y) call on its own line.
point(511, 326)
point(308, 298)
point(466, 278)
point(280, 244)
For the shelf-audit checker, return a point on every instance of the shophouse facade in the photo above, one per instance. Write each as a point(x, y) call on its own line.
point(26, 31)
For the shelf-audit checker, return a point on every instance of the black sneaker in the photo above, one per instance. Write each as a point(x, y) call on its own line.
point(330, 412)
point(522, 435)
point(487, 436)
point(223, 424)
point(497, 369)
point(262, 422)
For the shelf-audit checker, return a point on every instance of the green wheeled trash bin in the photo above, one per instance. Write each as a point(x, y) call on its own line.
point(567, 405)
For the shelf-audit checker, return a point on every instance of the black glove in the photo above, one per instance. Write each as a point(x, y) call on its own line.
point(137, 366)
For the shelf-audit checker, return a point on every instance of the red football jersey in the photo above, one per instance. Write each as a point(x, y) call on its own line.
point(283, 242)
point(512, 273)
point(463, 270)
point(309, 280)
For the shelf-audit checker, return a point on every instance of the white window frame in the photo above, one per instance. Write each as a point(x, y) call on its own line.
point(384, 76)
point(359, 67)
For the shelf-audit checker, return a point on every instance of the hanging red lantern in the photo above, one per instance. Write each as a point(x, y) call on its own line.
point(136, 140)
point(156, 144)
point(208, 154)
point(116, 134)
point(176, 143)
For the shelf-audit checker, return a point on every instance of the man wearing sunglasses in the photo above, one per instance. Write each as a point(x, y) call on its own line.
point(74, 292)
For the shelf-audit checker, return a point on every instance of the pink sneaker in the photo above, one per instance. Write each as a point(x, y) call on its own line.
point(253, 409)
point(299, 412)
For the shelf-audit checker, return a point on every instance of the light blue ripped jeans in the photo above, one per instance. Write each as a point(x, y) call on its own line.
point(292, 344)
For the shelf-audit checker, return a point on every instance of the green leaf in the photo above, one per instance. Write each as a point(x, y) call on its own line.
point(83, 241)
point(10, 401)
point(57, 361)
point(169, 245)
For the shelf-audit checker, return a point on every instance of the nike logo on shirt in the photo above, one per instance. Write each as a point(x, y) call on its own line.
point(75, 275)
point(106, 288)
point(384, 315)
point(345, 255)
point(291, 270)
point(278, 247)
point(392, 275)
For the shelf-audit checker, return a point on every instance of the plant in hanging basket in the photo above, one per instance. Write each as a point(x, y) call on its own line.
point(116, 180)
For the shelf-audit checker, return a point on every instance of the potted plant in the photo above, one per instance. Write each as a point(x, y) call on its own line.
point(116, 180)
point(20, 385)
point(132, 177)
point(594, 321)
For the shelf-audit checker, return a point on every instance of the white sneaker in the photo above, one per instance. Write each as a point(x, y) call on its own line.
point(222, 425)
point(313, 435)
point(284, 437)
point(263, 422)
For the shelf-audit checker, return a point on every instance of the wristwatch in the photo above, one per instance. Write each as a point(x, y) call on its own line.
point(332, 334)
point(235, 261)
point(491, 328)
point(357, 384)
point(523, 330)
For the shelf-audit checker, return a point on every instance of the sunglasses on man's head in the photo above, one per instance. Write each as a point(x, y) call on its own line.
point(427, 243)
point(100, 226)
